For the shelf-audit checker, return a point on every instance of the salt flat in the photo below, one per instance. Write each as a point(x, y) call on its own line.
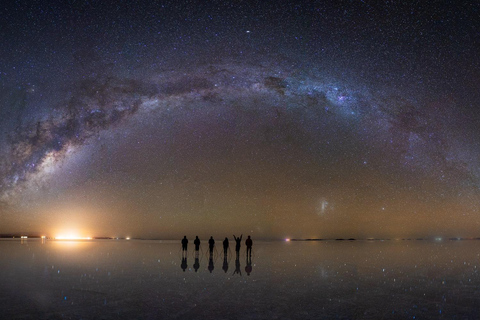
point(140, 279)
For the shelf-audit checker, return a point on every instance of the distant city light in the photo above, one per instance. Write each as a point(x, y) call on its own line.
point(43, 237)
point(24, 237)
point(288, 239)
point(128, 238)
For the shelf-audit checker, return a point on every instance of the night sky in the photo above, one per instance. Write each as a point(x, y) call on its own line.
point(306, 119)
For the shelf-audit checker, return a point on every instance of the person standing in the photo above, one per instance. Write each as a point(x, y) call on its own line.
point(211, 245)
point(197, 243)
point(184, 243)
point(225, 246)
point(238, 243)
point(249, 244)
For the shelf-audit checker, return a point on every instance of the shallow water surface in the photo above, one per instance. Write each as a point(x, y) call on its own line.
point(139, 279)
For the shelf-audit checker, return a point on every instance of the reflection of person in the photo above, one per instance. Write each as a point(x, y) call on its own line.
point(248, 267)
point(237, 267)
point(184, 264)
point(238, 242)
point(210, 264)
point(184, 243)
point(196, 265)
point(197, 243)
point(225, 246)
point(211, 245)
point(225, 263)
point(249, 243)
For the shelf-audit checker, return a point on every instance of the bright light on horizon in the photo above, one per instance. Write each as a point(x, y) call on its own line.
point(72, 237)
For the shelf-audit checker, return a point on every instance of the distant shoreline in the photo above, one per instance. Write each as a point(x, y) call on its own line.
point(386, 239)
point(24, 237)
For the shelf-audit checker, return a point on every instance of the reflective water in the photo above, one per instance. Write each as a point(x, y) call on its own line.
point(288, 280)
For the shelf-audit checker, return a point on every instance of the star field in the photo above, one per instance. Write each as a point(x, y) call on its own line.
point(276, 119)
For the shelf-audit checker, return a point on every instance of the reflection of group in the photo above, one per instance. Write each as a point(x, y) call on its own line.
point(211, 249)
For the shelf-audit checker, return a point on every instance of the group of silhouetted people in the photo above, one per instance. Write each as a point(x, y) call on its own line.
point(211, 247)
point(226, 244)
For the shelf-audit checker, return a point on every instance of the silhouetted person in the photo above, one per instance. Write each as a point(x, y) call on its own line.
point(238, 243)
point(210, 264)
point(196, 242)
point(225, 263)
point(196, 265)
point(184, 243)
point(184, 263)
point(237, 266)
point(249, 244)
point(248, 267)
point(225, 246)
point(211, 245)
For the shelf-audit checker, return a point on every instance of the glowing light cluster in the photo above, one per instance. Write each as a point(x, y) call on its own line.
point(72, 237)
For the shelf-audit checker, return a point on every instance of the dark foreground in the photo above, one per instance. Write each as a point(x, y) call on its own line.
point(288, 280)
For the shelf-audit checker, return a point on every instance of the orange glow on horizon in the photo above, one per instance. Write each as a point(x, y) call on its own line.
point(72, 237)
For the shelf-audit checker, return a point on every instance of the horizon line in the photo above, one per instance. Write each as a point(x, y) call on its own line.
point(438, 238)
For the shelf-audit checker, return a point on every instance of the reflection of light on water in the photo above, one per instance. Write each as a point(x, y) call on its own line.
point(72, 244)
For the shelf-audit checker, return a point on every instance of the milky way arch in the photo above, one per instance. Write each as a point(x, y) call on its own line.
point(415, 136)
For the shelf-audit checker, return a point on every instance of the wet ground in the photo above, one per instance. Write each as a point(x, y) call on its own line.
point(139, 279)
